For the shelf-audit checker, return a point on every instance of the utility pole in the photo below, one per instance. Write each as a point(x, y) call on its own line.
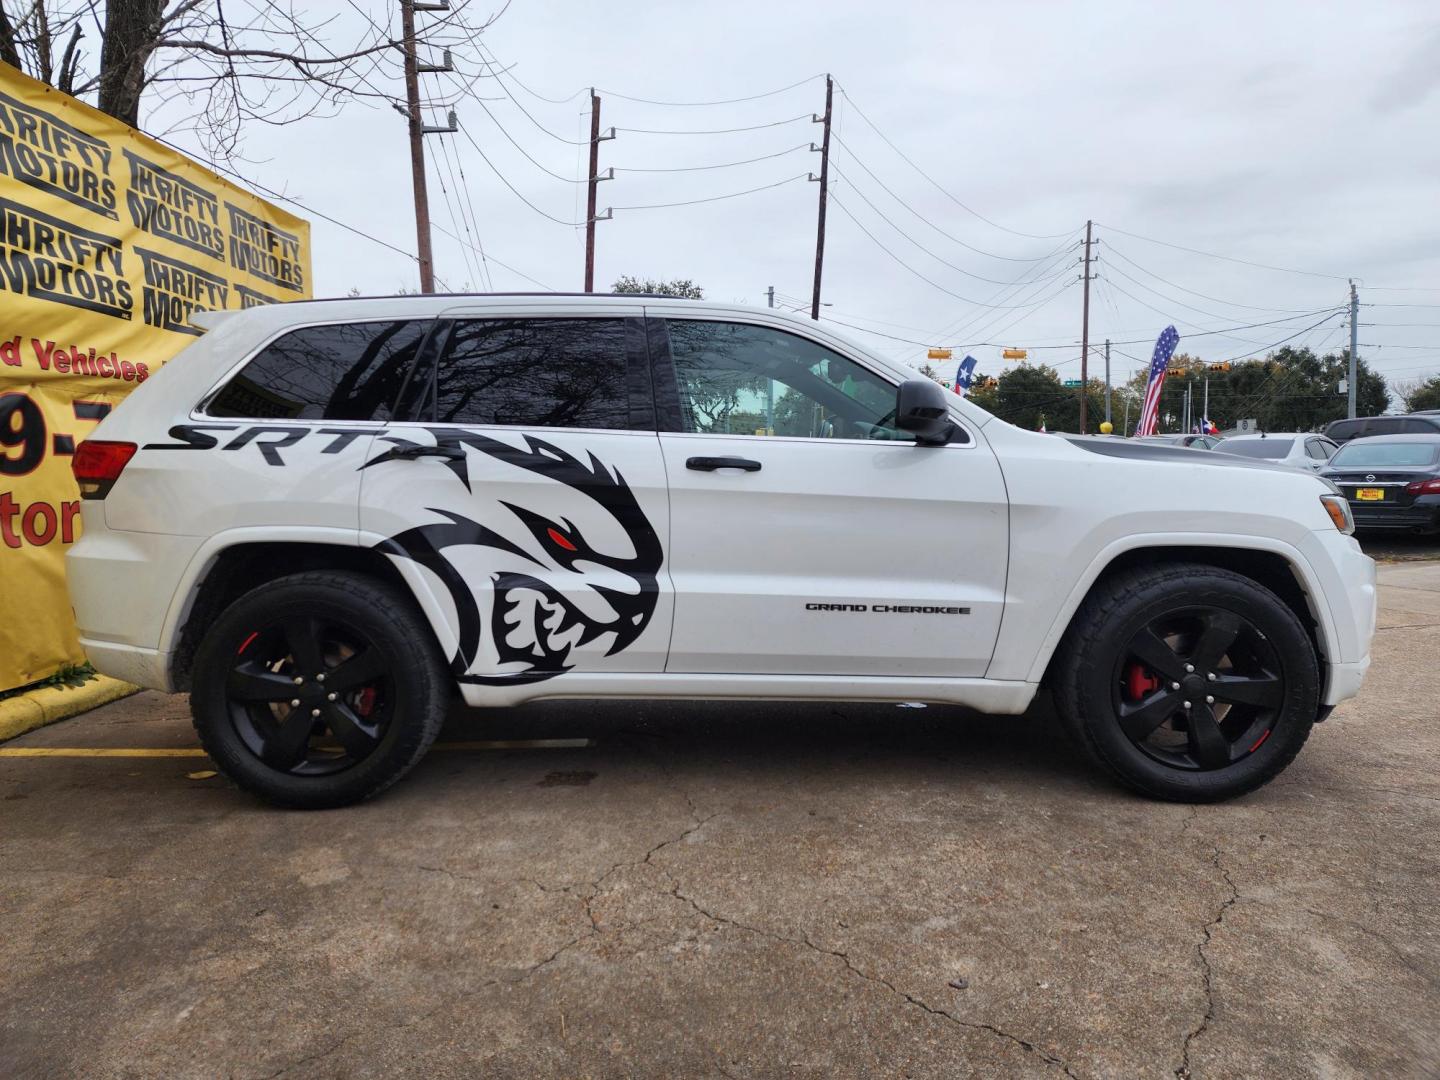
point(1354, 345)
point(1125, 427)
point(1206, 416)
point(590, 219)
point(1085, 334)
point(824, 179)
point(770, 295)
point(417, 150)
point(1107, 380)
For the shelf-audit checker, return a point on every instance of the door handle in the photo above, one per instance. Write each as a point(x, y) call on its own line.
point(710, 464)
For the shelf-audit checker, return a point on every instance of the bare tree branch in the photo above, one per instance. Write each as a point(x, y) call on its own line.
point(224, 64)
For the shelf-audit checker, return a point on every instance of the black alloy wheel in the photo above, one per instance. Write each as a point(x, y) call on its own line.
point(1187, 681)
point(319, 689)
point(309, 697)
point(1198, 688)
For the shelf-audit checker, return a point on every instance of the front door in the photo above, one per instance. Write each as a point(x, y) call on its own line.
point(527, 488)
point(808, 536)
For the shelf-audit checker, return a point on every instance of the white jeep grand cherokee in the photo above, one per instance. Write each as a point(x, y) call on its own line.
point(325, 518)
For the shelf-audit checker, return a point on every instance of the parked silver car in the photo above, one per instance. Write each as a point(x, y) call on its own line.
point(1300, 449)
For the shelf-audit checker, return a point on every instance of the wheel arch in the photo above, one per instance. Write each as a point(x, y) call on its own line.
point(1273, 564)
point(228, 567)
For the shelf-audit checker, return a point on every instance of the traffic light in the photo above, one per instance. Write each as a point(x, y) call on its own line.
point(1224, 365)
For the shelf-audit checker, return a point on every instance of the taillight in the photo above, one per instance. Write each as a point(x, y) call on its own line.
point(1423, 487)
point(97, 464)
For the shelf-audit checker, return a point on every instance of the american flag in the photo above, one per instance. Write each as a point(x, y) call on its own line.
point(1150, 408)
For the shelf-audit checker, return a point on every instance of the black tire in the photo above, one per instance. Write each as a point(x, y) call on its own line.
point(347, 740)
point(1111, 681)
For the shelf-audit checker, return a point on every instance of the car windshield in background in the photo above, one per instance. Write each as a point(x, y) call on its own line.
point(1367, 455)
point(1261, 448)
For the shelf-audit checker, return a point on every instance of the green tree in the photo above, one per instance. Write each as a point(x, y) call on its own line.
point(1424, 396)
point(1290, 390)
point(683, 288)
point(1029, 394)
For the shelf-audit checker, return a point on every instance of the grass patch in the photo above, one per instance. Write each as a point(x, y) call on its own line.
point(70, 675)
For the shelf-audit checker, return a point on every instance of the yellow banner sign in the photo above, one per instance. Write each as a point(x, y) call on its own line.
point(109, 242)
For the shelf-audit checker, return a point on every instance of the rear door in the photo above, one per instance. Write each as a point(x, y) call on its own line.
point(808, 535)
point(525, 486)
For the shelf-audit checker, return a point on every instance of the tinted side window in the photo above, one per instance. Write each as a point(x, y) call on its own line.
point(1343, 429)
point(346, 371)
point(1382, 425)
point(1418, 427)
point(736, 379)
point(534, 373)
point(1318, 450)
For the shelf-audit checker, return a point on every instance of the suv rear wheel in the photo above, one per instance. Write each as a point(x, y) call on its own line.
point(1188, 682)
point(318, 689)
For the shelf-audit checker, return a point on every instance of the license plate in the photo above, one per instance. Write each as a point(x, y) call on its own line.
point(1370, 494)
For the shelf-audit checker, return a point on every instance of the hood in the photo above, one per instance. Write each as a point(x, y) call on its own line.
point(1109, 446)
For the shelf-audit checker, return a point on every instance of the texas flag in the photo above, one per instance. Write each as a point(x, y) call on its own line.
point(964, 375)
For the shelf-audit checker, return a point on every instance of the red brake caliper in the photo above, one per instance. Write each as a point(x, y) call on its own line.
point(366, 703)
point(1139, 681)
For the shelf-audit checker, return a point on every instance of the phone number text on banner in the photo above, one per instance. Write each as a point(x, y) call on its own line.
point(109, 243)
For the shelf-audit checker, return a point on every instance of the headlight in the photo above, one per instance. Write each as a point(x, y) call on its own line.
point(1339, 510)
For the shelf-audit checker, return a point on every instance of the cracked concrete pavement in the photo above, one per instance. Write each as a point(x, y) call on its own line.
point(744, 891)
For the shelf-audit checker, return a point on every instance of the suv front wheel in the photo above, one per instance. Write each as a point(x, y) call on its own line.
point(1188, 682)
point(318, 689)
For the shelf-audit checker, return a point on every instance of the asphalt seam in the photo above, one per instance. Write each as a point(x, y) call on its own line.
point(1025, 1044)
point(1182, 1071)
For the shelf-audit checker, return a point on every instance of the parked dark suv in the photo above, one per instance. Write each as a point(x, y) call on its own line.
point(1363, 427)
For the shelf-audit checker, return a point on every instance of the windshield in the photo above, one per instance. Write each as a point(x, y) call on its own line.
point(1261, 448)
point(1368, 455)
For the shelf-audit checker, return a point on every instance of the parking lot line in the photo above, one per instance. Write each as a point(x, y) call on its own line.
point(195, 751)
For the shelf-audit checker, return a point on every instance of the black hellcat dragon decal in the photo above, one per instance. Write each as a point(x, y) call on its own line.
point(557, 624)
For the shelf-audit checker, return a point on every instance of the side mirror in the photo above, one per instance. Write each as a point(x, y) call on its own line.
point(921, 407)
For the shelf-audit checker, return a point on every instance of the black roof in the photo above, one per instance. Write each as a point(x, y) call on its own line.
point(1411, 437)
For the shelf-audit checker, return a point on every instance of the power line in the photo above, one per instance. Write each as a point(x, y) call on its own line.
point(651, 101)
point(514, 190)
point(272, 193)
point(911, 269)
point(479, 244)
point(954, 239)
point(1226, 258)
point(487, 59)
point(715, 131)
point(1228, 303)
point(721, 165)
point(1169, 299)
point(467, 209)
point(513, 142)
point(467, 250)
point(715, 198)
point(504, 265)
point(969, 210)
point(723, 101)
point(1035, 279)
point(938, 258)
point(1167, 314)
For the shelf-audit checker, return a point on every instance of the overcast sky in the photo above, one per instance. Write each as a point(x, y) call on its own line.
point(1303, 135)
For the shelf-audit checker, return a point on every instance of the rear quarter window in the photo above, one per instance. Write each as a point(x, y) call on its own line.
point(341, 371)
